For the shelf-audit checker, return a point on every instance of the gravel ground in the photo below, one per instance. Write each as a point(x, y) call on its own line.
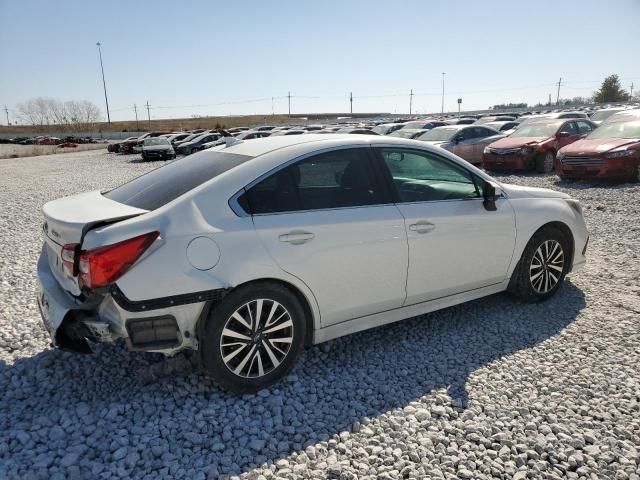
point(15, 151)
point(490, 389)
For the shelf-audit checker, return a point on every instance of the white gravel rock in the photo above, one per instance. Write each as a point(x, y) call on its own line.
point(490, 389)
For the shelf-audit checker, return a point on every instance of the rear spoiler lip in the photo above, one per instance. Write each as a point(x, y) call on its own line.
point(76, 212)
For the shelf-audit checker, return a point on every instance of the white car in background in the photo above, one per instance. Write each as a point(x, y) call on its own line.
point(248, 251)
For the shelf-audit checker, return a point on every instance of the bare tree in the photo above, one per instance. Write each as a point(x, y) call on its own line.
point(69, 116)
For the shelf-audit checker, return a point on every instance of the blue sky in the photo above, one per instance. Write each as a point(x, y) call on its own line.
point(220, 58)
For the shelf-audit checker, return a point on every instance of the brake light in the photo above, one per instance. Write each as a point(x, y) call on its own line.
point(69, 257)
point(103, 266)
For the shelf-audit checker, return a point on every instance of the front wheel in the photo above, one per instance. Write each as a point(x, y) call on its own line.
point(543, 266)
point(545, 162)
point(252, 338)
point(635, 176)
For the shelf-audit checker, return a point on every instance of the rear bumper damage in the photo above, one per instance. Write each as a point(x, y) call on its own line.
point(73, 323)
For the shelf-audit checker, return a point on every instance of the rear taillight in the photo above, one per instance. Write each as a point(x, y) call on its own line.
point(69, 257)
point(104, 265)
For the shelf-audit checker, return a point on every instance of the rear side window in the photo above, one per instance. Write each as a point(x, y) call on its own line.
point(164, 184)
point(337, 179)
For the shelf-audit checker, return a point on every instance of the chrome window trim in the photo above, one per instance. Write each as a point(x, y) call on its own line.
point(240, 212)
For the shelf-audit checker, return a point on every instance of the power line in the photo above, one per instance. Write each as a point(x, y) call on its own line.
point(148, 113)
point(104, 84)
point(410, 101)
point(135, 109)
point(558, 97)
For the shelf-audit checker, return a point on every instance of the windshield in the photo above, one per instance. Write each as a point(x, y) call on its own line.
point(616, 130)
point(403, 133)
point(603, 114)
point(156, 141)
point(380, 129)
point(417, 125)
point(164, 184)
point(438, 134)
point(536, 130)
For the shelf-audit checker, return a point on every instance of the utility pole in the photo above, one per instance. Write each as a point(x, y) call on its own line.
point(135, 109)
point(351, 102)
point(148, 114)
point(558, 97)
point(410, 101)
point(289, 99)
point(630, 97)
point(6, 110)
point(272, 110)
point(104, 85)
point(549, 99)
point(442, 109)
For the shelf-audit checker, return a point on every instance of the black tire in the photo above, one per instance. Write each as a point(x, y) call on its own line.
point(211, 343)
point(545, 162)
point(635, 176)
point(522, 285)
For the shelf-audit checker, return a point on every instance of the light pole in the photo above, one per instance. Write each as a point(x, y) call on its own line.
point(104, 85)
point(443, 74)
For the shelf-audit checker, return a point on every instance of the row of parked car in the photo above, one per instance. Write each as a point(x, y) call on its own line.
point(575, 144)
point(49, 140)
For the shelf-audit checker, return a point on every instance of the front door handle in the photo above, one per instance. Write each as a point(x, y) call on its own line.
point(422, 227)
point(296, 238)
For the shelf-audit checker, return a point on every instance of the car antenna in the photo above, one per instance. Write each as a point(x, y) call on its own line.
point(227, 137)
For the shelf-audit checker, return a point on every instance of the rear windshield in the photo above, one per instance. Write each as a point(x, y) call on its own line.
point(164, 184)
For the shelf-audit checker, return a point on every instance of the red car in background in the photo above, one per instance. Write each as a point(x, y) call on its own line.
point(611, 152)
point(533, 146)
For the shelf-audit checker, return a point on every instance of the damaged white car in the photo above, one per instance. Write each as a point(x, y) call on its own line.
point(248, 251)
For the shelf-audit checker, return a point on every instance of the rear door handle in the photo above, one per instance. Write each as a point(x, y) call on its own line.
point(296, 238)
point(422, 227)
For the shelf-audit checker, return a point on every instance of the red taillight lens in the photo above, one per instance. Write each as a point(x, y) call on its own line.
point(104, 265)
point(69, 257)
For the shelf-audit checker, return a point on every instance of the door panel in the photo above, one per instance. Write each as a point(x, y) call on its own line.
point(455, 244)
point(353, 259)
point(466, 247)
point(464, 149)
point(572, 128)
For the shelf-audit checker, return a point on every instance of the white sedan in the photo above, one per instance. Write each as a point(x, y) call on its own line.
point(248, 251)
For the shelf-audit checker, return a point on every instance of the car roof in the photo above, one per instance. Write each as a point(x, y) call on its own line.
point(262, 146)
point(558, 121)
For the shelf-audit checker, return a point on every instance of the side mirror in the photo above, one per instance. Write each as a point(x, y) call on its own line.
point(491, 191)
point(456, 140)
point(564, 135)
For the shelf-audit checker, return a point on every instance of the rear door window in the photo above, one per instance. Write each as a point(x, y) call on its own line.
point(336, 179)
point(164, 184)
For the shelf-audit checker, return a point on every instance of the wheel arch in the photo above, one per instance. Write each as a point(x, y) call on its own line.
point(305, 302)
point(557, 225)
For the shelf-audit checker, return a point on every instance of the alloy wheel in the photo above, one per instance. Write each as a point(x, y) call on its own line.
point(256, 338)
point(546, 266)
point(548, 162)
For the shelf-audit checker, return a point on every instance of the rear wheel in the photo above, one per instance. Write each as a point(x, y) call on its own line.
point(635, 176)
point(545, 162)
point(252, 338)
point(543, 266)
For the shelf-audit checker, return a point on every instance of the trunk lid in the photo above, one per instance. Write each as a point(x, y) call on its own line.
point(68, 219)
